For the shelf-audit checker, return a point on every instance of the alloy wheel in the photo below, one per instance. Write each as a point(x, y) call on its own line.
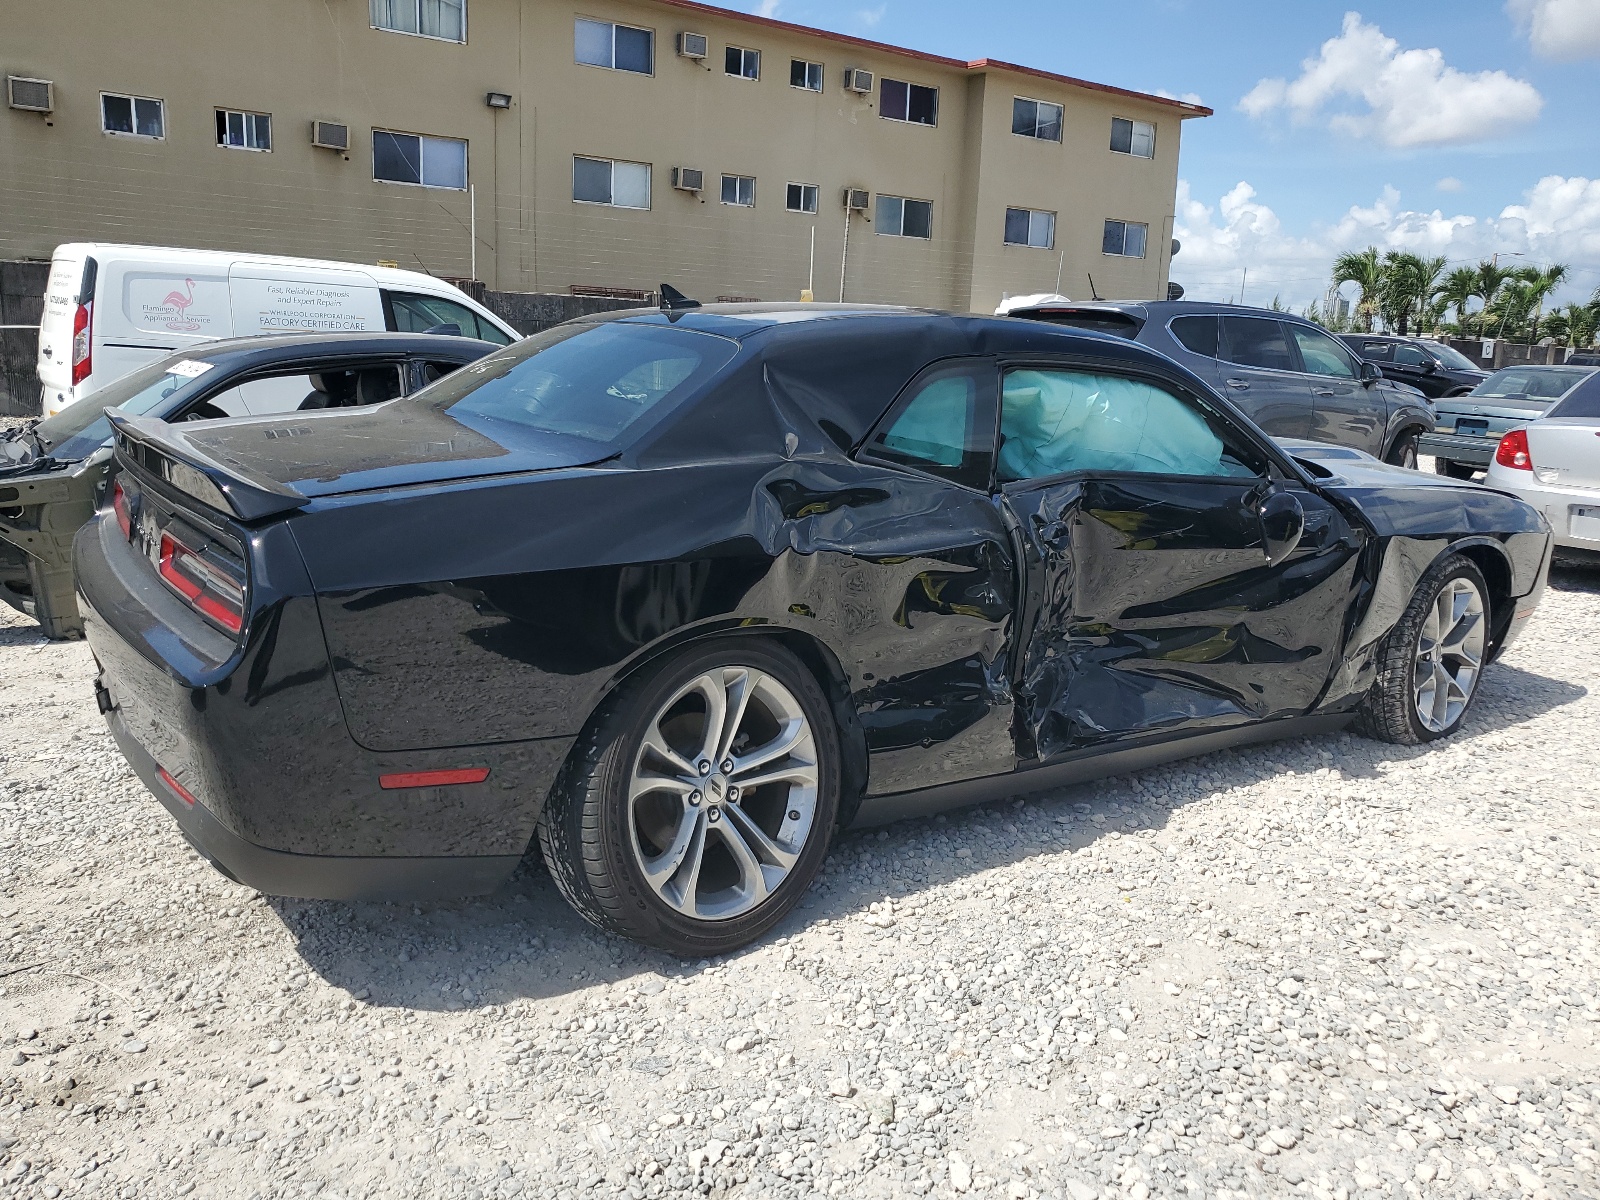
point(722, 796)
point(1449, 655)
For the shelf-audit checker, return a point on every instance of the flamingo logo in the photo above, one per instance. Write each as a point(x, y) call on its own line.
point(182, 323)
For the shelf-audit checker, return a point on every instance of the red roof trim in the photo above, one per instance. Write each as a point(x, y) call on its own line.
point(983, 64)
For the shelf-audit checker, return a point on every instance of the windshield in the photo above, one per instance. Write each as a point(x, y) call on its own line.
point(1453, 358)
point(1531, 383)
point(603, 383)
point(79, 429)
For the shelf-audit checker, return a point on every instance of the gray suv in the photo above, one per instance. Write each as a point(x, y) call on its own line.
point(1293, 377)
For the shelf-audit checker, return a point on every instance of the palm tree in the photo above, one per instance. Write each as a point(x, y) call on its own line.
point(1541, 282)
point(1457, 289)
point(1408, 284)
point(1491, 277)
point(1364, 269)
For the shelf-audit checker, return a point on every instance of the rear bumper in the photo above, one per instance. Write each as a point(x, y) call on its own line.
point(1556, 504)
point(312, 876)
point(1478, 451)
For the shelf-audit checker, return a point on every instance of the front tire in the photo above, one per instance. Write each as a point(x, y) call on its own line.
point(696, 809)
point(1404, 451)
point(1431, 663)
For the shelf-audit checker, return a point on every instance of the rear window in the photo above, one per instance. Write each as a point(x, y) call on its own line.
point(75, 431)
point(1375, 351)
point(1118, 323)
point(1531, 383)
point(603, 383)
point(1583, 401)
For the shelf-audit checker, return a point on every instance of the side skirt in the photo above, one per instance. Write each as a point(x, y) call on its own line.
point(880, 810)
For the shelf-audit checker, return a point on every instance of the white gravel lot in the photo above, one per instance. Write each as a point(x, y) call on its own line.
point(1332, 967)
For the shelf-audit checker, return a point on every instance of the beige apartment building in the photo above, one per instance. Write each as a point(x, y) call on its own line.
point(546, 145)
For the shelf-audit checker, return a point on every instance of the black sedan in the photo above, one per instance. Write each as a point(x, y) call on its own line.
point(678, 594)
point(52, 474)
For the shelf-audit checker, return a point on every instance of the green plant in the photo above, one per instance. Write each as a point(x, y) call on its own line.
point(1363, 268)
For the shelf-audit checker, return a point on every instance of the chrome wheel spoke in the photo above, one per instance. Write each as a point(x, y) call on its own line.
point(713, 689)
point(767, 850)
point(753, 886)
point(803, 773)
point(655, 744)
point(682, 858)
point(789, 738)
point(739, 685)
point(1449, 655)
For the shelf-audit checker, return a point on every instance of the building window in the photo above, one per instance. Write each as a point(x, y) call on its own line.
point(1036, 119)
point(746, 64)
point(619, 184)
point(618, 47)
point(443, 19)
point(908, 102)
point(802, 198)
point(1124, 238)
point(899, 217)
point(138, 116)
point(740, 190)
point(1137, 138)
point(1029, 227)
point(425, 161)
point(244, 130)
point(806, 75)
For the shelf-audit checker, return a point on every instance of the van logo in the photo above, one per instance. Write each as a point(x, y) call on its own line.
point(182, 323)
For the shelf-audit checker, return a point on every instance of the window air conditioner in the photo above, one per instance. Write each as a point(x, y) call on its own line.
point(693, 45)
point(330, 135)
point(857, 80)
point(688, 179)
point(857, 199)
point(30, 95)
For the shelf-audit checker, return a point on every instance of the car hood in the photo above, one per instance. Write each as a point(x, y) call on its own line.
point(385, 445)
point(1346, 466)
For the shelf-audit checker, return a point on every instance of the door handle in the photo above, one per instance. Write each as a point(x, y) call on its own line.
point(1322, 391)
point(1242, 384)
point(48, 352)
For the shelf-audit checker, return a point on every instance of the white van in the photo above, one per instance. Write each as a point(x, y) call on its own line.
point(110, 309)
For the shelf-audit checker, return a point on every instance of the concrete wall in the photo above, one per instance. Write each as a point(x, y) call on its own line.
point(21, 304)
point(62, 179)
point(1508, 354)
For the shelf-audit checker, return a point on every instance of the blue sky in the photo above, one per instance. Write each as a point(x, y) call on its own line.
point(1446, 128)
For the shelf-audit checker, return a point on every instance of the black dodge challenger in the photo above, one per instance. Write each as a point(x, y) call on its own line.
point(680, 593)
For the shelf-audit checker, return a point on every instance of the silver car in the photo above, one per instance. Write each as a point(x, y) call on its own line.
point(1554, 464)
point(1293, 377)
point(1470, 426)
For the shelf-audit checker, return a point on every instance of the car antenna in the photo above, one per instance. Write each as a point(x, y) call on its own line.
point(672, 299)
point(1093, 294)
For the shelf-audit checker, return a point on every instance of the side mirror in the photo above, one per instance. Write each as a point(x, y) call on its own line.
point(1283, 524)
point(1430, 367)
point(1370, 372)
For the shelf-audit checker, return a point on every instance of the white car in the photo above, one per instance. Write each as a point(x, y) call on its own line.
point(1554, 464)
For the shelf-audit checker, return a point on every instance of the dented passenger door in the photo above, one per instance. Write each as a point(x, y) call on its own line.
point(1151, 605)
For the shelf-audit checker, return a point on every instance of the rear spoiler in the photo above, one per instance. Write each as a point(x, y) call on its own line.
point(162, 451)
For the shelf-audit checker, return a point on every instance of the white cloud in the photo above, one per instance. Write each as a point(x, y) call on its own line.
point(1448, 184)
point(1410, 97)
point(1558, 221)
point(871, 16)
point(768, 8)
point(1559, 29)
point(1186, 97)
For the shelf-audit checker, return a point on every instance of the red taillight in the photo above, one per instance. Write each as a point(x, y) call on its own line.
point(417, 779)
point(207, 588)
point(183, 793)
point(119, 505)
point(82, 336)
point(1513, 451)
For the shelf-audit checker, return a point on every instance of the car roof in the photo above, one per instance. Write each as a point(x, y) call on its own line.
point(279, 347)
point(178, 256)
point(1163, 310)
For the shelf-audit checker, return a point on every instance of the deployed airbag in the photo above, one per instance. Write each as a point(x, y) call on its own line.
point(1053, 422)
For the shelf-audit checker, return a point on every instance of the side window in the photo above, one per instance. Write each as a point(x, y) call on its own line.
point(1258, 342)
point(414, 313)
point(303, 391)
point(1410, 356)
point(1322, 355)
point(1197, 335)
point(1377, 351)
point(1057, 421)
point(432, 371)
point(944, 426)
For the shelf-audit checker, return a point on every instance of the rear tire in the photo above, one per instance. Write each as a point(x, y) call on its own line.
point(1404, 451)
point(697, 806)
point(1455, 470)
point(1430, 665)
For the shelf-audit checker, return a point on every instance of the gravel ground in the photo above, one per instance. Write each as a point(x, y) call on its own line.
point(1331, 967)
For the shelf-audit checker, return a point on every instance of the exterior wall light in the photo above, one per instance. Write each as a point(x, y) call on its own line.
point(498, 100)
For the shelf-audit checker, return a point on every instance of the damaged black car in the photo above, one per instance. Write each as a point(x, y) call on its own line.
point(676, 595)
